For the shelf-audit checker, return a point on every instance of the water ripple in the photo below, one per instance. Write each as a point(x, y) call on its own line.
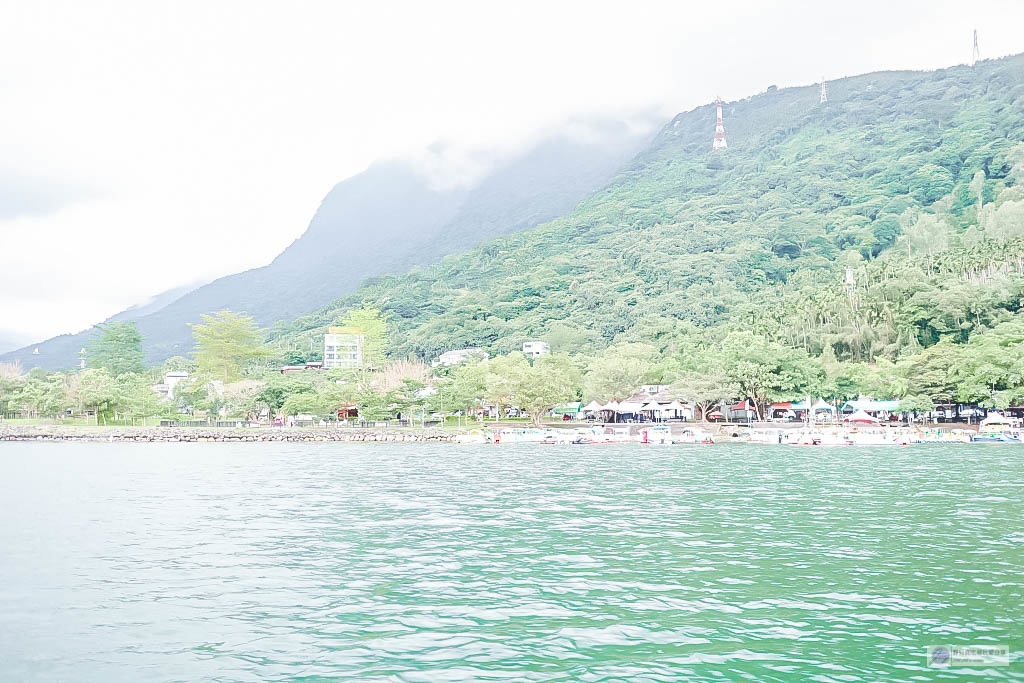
point(405, 562)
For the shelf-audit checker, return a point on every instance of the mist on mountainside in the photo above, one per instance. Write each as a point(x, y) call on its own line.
point(395, 215)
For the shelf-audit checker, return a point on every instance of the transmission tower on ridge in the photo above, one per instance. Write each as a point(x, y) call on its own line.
point(823, 98)
point(719, 142)
point(976, 54)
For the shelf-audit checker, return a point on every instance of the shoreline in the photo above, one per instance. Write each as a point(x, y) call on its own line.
point(218, 434)
point(722, 433)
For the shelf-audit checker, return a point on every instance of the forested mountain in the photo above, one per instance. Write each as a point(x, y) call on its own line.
point(384, 220)
point(873, 225)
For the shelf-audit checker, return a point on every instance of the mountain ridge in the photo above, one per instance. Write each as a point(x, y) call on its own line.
point(386, 219)
point(684, 237)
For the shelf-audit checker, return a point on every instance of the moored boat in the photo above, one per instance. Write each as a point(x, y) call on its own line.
point(997, 428)
point(660, 435)
point(693, 435)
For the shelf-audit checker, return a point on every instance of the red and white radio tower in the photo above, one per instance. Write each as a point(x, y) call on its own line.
point(719, 142)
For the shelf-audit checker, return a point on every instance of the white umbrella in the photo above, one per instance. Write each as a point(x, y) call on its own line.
point(675, 405)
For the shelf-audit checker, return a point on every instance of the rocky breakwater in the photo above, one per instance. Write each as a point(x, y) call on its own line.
point(217, 435)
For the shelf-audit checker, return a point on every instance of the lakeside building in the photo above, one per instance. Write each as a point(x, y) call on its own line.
point(288, 369)
point(457, 356)
point(536, 349)
point(171, 380)
point(343, 348)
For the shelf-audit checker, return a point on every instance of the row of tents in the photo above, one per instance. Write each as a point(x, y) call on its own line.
point(860, 410)
point(654, 410)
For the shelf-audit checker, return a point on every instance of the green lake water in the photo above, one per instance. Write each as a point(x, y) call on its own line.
point(414, 562)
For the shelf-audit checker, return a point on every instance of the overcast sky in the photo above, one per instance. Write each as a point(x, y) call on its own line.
point(147, 145)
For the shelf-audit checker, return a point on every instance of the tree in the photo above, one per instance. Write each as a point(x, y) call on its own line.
point(990, 368)
point(409, 396)
point(11, 381)
point(931, 182)
point(501, 379)
point(464, 391)
point(136, 396)
point(705, 384)
point(370, 322)
point(537, 388)
point(766, 371)
point(279, 388)
point(190, 394)
point(619, 370)
point(178, 364)
point(302, 404)
point(240, 397)
point(55, 400)
point(374, 405)
point(332, 397)
point(117, 347)
point(395, 374)
point(97, 391)
point(928, 373)
point(977, 186)
point(1004, 222)
point(225, 342)
point(917, 404)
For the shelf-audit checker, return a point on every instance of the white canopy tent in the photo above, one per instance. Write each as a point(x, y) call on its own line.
point(592, 407)
point(654, 409)
point(862, 417)
point(821, 406)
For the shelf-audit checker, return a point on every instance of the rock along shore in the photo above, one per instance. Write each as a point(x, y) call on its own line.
point(216, 434)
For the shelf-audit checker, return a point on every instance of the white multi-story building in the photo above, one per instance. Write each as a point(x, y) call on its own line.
point(171, 380)
point(457, 356)
point(536, 349)
point(343, 348)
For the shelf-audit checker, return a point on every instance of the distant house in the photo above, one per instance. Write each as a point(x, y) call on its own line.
point(536, 349)
point(343, 348)
point(301, 368)
point(457, 356)
point(171, 380)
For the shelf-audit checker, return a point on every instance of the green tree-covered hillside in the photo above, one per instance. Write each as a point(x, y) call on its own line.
point(874, 225)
